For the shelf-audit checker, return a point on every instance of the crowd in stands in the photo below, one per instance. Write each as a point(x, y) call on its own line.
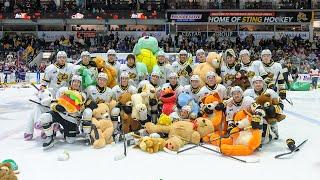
point(302, 53)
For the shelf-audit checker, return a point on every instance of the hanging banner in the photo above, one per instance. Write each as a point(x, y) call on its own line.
point(292, 34)
point(216, 33)
point(257, 34)
point(240, 17)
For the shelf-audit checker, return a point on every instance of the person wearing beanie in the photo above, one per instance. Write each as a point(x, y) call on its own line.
point(164, 67)
point(174, 83)
point(123, 87)
point(100, 93)
point(193, 88)
point(113, 61)
point(230, 68)
point(130, 68)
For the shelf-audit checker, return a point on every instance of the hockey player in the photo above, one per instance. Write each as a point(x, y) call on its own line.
point(123, 86)
point(211, 86)
point(194, 88)
point(253, 68)
point(230, 68)
point(44, 97)
point(58, 114)
point(58, 74)
point(274, 73)
point(130, 68)
point(165, 68)
point(181, 115)
point(183, 68)
point(174, 84)
point(112, 60)
point(86, 63)
point(201, 56)
point(259, 87)
point(99, 93)
point(155, 81)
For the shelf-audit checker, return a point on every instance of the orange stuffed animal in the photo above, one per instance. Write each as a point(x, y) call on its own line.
point(109, 70)
point(244, 139)
point(217, 117)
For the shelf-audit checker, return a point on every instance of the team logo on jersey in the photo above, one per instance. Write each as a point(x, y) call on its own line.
point(98, 101)
point(270, 75)
point(250, 74)
point(62, 77)
point(132, 75)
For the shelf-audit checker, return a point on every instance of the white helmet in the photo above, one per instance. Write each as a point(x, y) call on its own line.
point(111, 52)
point(85, 53)
point(195, 78)
point(102, 75)
point(161, 53)
point(230, 52)
point(243, 52)
point(76, 78)
point(210, 74)
point(186, 108)
point(183, 52)
point(62, 54)
point(266, 52)
point(173, 75)
point(236, 89)
point(87, 114)
point(199, 51)
point(256, 78)
point(155, 73)
point(124, 75)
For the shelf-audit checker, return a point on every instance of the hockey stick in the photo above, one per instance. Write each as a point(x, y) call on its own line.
point(33, 85)
point(121, 156)
point(290, 102)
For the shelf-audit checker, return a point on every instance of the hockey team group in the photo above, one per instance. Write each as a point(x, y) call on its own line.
point(64, 107)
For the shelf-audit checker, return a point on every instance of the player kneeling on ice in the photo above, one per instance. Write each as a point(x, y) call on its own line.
point(272, 107)
point(44, 98)
point(66, 112)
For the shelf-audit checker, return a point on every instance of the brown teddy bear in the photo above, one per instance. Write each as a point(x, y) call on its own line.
point(103, 127)
point(6, 172)
point(183, 132)
point(242, 80)
point(128, 124)
point(150, 144)
point(109, 70)
point(213, 63)
point(271, 107)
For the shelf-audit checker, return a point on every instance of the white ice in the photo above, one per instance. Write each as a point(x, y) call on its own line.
point(303, 122)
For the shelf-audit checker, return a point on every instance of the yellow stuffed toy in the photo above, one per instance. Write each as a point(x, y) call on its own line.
point(102, 126)
point(109, 70)
point(164, 120)
point(213, 63)
point(150, 144)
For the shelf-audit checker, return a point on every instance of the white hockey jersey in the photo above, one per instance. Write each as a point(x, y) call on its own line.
point(118, 90)
point(195, 93)
point(254, 68)
point(133, 74)
point(219, 88)
point(165, 70)
point(232, 108)
point(253, 94)
point(98, 96)
point(180, 69)
point(56, 77)
point(273, 70)
point(228, 75)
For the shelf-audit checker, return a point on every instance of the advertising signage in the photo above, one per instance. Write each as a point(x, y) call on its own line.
point(241, 17)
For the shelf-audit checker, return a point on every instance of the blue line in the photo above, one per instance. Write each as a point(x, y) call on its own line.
point(302, 117)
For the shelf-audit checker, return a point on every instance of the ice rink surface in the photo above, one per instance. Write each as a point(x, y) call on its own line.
point(303, 122)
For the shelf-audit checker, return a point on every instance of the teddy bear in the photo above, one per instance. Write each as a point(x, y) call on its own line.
point(128, 123)
point(184, 132)
point(6, 172)
point(103, 128)
point(109, 70)
point(271, 106)
point(244, 139)
point(151, 144)
point(213, 63)
point(184, 99)
point(139, 110)
point(168, 100)
point(241, 79)
point(208, 104)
